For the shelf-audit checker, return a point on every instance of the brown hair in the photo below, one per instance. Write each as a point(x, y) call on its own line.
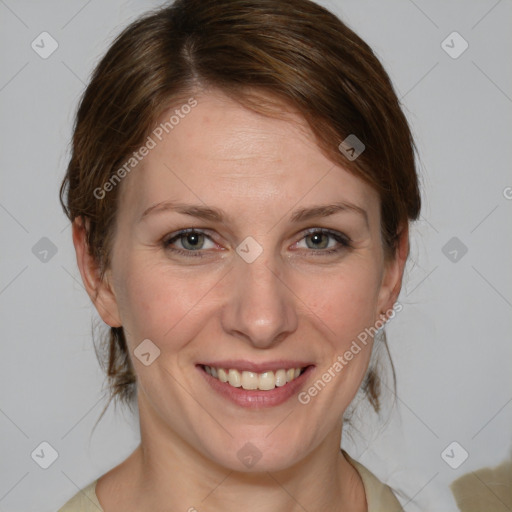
point(291, 52)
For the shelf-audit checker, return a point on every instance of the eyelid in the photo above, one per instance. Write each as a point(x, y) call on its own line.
point(343, 241)
point(331, 232)
point(176, 235)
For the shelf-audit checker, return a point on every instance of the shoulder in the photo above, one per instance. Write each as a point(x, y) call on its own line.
point(488, 488)
point(83, 501)
point(379, 496)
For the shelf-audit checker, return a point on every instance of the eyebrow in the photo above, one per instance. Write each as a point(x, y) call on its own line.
point(218, 215)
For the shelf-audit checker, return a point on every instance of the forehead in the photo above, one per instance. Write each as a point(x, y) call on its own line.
point(223, 154)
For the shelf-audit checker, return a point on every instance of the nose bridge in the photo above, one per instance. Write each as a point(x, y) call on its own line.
point(261, 307)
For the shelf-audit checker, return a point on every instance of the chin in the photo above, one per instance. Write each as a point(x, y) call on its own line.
point(258, 454)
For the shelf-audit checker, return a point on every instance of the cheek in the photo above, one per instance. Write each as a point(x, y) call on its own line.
point(157, 302)
point(170, 305)
point(345, 302)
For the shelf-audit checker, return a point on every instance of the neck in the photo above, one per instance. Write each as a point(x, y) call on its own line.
point(165, 472)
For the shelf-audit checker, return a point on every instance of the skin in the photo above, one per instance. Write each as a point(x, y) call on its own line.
point(292, 302)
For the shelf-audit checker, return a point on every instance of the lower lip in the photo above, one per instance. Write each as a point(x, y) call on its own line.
point(257, 398)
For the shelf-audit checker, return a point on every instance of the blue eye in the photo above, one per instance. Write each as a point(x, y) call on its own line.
point(193, 242)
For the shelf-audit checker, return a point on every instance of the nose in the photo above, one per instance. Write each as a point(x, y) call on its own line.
point(261, 308)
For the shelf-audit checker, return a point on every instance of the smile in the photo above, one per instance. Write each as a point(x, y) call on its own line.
point(248, 380)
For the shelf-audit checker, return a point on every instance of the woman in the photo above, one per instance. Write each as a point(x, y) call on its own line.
point(241, 184)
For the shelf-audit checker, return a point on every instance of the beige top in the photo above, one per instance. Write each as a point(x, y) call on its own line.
point(380, 497)
point(487, 488)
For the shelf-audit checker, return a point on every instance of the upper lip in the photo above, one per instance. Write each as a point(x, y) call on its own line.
point(241, 365)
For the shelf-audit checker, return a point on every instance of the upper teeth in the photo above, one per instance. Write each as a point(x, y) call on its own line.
point(251, 380)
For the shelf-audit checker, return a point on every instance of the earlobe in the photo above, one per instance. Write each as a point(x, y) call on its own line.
point(99, 289)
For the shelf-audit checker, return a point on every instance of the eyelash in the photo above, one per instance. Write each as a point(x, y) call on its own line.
point(343, 241)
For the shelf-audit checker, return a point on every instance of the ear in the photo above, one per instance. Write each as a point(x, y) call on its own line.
point(393, 273)
point(99, 290)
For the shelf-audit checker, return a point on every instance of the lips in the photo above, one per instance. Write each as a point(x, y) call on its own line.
point(238, 382)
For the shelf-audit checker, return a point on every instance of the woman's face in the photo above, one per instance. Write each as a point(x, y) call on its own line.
point(272, 278)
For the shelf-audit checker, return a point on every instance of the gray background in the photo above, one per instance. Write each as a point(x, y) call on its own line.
point(451, 344)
